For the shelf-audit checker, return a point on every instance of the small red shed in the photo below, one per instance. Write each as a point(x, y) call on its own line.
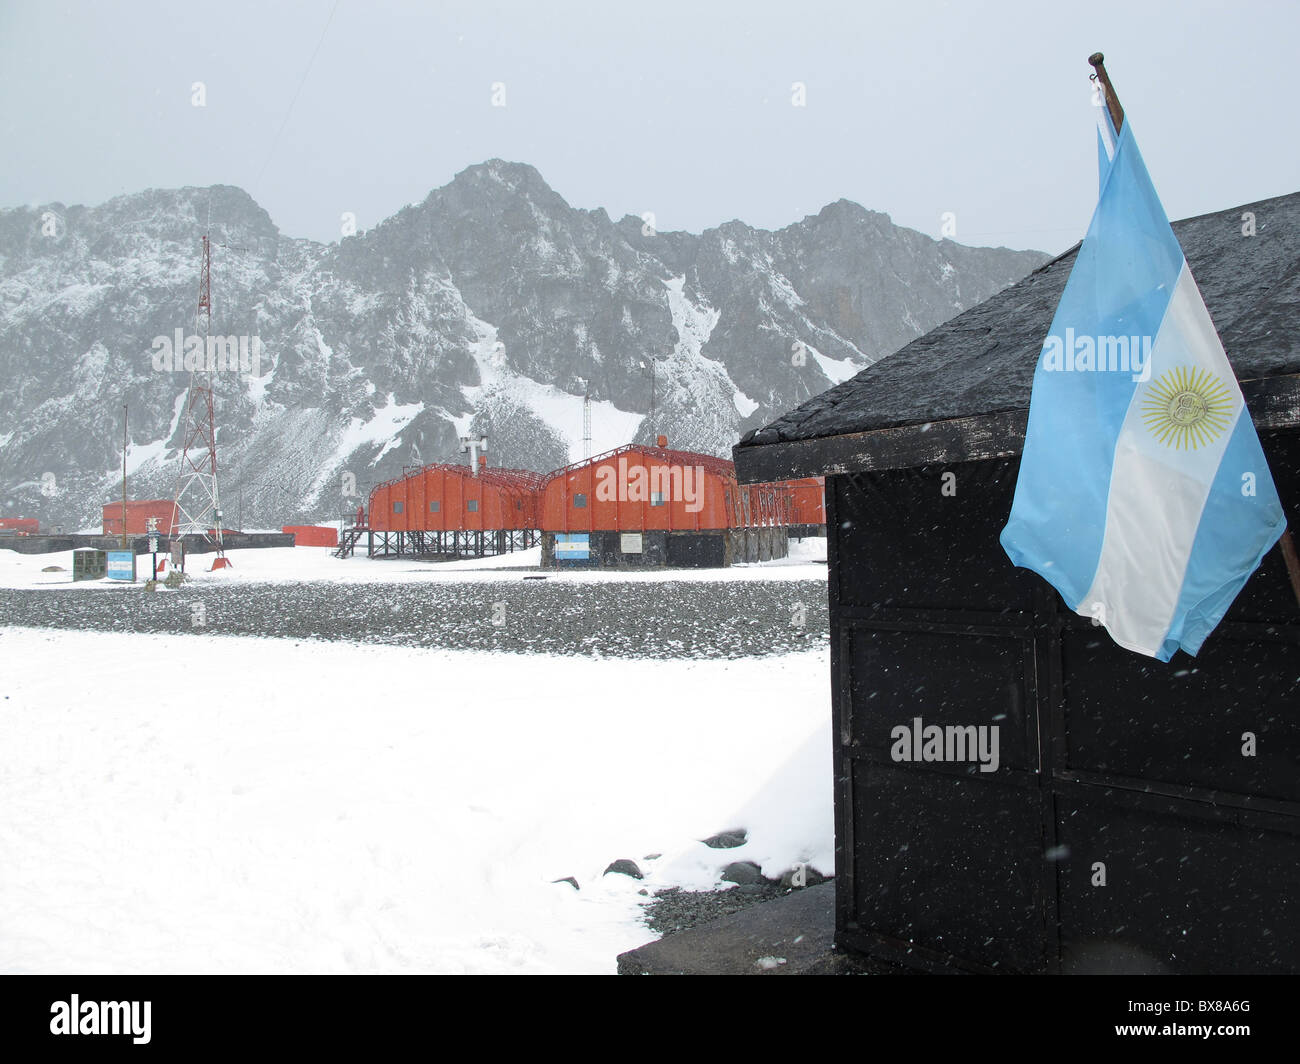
point(312, 535)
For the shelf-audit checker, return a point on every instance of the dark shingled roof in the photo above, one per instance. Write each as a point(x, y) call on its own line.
point(983, 360)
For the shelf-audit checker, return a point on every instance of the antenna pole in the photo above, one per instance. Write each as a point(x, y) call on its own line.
point(124, 476)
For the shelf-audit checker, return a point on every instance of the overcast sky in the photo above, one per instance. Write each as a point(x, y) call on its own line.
point(681, 109)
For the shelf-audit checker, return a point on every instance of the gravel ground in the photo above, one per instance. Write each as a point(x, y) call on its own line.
point(674, 909)
point(686, 619)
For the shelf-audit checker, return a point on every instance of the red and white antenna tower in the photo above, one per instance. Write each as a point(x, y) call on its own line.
point(198, 503)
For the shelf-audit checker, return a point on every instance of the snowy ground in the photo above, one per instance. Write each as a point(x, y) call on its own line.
point(807, 561)
point(208, 803)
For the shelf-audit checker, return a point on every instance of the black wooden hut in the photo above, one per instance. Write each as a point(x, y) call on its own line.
point(1142, 816)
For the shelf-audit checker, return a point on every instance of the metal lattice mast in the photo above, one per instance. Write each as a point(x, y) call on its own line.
point(198, 502)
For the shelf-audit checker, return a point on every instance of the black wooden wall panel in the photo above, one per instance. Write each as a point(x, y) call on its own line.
point(943, 679)
point(953, 865)
point(905, 543)
point(1140, 764)
point(1183, 722)
point(1188, 888)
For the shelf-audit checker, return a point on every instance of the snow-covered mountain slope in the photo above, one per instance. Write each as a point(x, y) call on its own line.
point(488, 309)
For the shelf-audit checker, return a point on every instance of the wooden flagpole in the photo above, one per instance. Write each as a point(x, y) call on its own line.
point(1292, 561)
point(1098, 62)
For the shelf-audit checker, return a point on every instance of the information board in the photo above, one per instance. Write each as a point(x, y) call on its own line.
point(121, 565)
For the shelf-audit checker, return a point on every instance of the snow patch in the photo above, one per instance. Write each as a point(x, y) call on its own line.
point(559, 410)
point(694, 322)
point(838, 370)
point(296, 565)
point(384, 426)
point(149, 456)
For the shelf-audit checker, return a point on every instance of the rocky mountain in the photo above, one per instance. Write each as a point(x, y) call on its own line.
point(488, 309)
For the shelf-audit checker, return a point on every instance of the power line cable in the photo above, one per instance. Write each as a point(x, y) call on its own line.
point(297, 92)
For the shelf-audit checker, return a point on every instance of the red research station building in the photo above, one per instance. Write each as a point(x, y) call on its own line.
point(654, 506)
point(799, 505)
point(809, 504)
point(451, 509)
point(634, 506)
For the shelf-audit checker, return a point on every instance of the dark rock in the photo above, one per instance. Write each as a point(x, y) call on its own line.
point(746, 873)
point(811, 877)
point(54, 569)
point(652, 857)
point(727, 840)
point(624, 867)
point(570, 880)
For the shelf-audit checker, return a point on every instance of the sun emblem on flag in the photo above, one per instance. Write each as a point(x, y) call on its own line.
point(1188, 407)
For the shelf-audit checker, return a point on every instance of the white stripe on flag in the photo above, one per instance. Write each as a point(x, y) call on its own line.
point(1157, 490)
point(1103, 126)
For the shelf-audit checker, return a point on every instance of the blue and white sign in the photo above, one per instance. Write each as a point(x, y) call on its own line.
point(121, 565)
point(572, 546)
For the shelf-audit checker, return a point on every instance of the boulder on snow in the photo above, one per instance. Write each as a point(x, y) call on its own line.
point(624, 867)
point(727, 840)
point(570, 880)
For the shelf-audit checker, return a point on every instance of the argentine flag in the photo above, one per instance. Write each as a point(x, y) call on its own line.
point(1143, 496)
